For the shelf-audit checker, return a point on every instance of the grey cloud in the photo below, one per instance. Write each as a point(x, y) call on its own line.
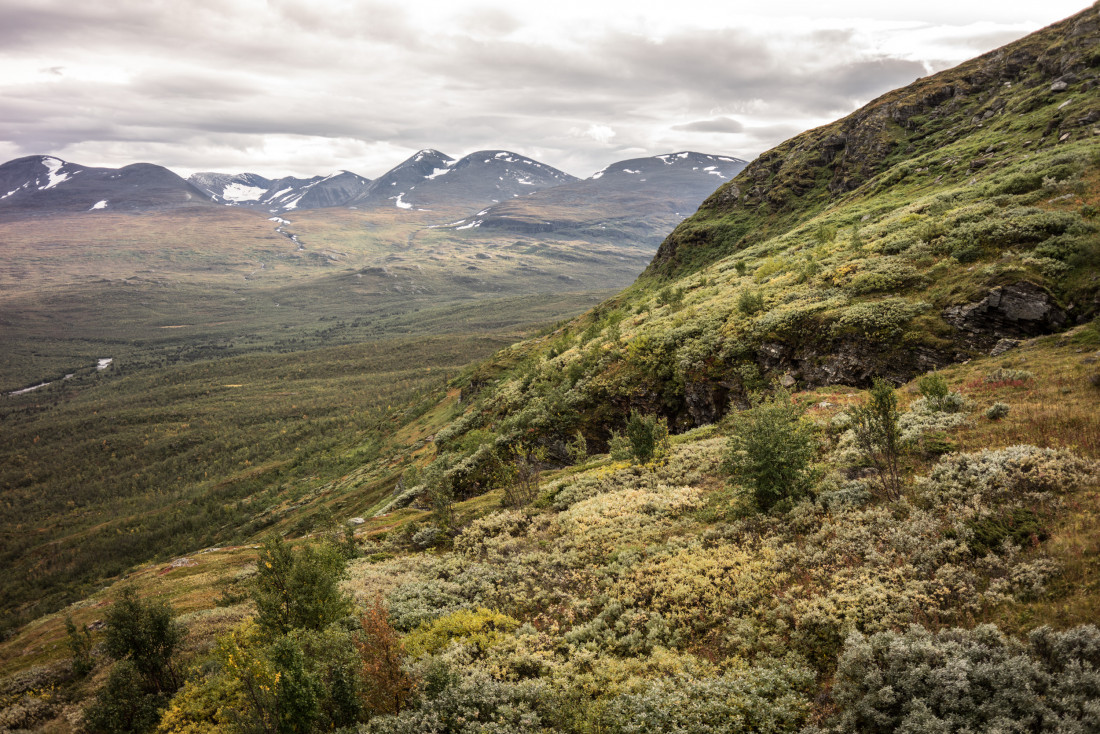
point(717, 125)
point(216, 76)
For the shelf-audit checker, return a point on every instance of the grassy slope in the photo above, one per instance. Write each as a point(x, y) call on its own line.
point(594, 540)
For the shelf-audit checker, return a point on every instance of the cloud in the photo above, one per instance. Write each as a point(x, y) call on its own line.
point(599, 133)
point(290, 86)
point(717, 125)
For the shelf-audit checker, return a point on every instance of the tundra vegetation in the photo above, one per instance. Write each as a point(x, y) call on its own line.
point(858, 499)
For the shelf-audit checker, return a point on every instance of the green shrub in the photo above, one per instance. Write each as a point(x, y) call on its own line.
point(825, 233)
point(478, 628)
point(124, 704)
point(145, 634)
point(143, 637)
point(578, 449)
point(1019, 525)
point(299, 590)
point(996, 411)
point(933, 387)
point(474, 704)
point(772, 449)
point(622, 630)
point(619, 447)
point(750, 302)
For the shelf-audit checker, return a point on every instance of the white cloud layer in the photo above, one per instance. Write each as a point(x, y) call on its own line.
point(301, 87)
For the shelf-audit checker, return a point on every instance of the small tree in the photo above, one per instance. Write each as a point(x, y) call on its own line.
point(879, 437)
point(578, 449)
point(526, 471)
point(80, 645)
point(772, 449)
point(648, 437)
point(299, 590)
point(143, 638)
point(387, 688)
point(145, 633)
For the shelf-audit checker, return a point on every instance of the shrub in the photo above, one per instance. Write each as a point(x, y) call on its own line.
point(1020, 525)
point(1004, 374)
point(578, 449)
point(477, 628)
point(759, 699)
point(145, 634)
point(303, 681)
point(969, 680)
point(143, 637)
point(750, 302)
point(622, 630)
point(996, 411)
point(619, 447)
point(933, 387)
point(525, 475)
point(825, 233)
point(772, 449)
point(427, 536)
point(475, 704)
point(125, 704)
point(968, 485)
point(412, 604)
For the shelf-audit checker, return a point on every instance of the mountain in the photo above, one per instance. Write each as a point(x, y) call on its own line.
point(284, 194)
point(432, 179)
point(426, 179)
point(640, 198)
point(228, 188)
point(45, 184)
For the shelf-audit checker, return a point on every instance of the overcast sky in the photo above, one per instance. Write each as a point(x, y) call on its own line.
point(301, 87)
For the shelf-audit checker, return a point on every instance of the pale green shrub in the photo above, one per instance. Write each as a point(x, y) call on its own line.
point(969, 681)
point(472, 704)
point(412, 604)
point(971, 485)
point(622, 630)
point(744, 700)
point(1005, 374)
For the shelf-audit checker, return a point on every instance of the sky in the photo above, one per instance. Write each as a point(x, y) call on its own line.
point(306, 87)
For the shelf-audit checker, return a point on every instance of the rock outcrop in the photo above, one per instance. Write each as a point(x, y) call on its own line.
point(1021, 309)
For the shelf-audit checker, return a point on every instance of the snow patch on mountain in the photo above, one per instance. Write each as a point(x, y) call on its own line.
point(240, 192)
point(53, 166)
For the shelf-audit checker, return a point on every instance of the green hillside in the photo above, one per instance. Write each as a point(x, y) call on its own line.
point(829, 465)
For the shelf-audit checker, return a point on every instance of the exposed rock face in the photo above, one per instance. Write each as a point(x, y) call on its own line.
point(706, 402)
point(849, 362)
point(1018, 310)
